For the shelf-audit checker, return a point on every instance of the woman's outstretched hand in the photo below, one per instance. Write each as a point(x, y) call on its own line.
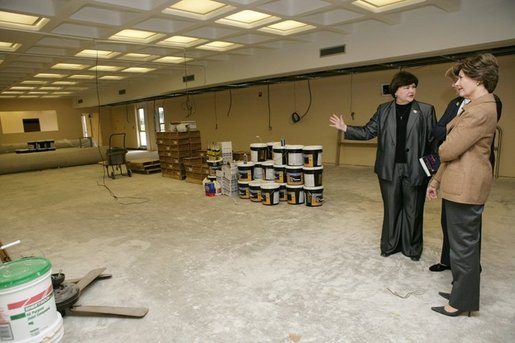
point(337, 122)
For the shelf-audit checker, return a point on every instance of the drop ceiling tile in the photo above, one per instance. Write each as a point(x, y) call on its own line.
point(251, 38)
point(59, 42)
point(293, 8)
point(144, 5)
point(103, 16)
point(211, 32)
point(45, 8)
point(165, 25)
point(68, 29)
point(46, 51)
point(333, 17)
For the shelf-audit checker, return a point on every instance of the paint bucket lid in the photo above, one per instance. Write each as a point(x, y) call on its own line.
point(294, 147)
point(255, 183)
point(272, 144)
point(278, 148)
point(312, 189)
point(312, 147)
point(312, 168)
point(269, 185)
point(279, 166)
point(267, 163)
point(294, 167)
point(242, 182)
point(294, 186)
point(258, 145)
point(21, 271)
point(244, 164)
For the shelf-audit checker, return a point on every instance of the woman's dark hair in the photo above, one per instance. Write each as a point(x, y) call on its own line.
point(482, 68)
point(402, 78)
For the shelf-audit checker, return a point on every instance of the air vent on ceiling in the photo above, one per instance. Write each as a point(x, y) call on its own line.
point(121, 92)
point(340, 49)
point(187, 78)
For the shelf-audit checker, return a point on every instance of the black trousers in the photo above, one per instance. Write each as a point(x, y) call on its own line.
point(464, 228)
point(445, 256)
point(403, 214)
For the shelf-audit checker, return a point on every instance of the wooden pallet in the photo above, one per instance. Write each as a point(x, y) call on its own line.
point(144, 166)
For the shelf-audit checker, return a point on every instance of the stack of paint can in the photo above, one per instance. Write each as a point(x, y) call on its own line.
point(313, 170)
point(294, 174)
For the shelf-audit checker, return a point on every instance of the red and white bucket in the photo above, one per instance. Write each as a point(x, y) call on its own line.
point(28, 312)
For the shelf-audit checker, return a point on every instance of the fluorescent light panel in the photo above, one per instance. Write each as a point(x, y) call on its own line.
point(219, 46)
point(70, 66)
point(105, 68)
point(111, 77)
point(287, 27)
point(182, 41)
point(137, 57)
point(247, 19)
point(138, 36)
point(137, 70)
point(378, 6)
point(97, 53)
point(50, 76)
point(27, 22)
point(9, 46)
point(64, 83)
point(198, 9)
point(173, 59)
point(82, 77)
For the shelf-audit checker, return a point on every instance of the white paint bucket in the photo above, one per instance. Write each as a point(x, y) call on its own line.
point(28, 312)
point(258, 152)
point(295, 194)
point(283, 194)
point(279, 154)
point(258, 171)
point(313, 176)
point(243, 189)
point(255, 190)
point(270, 149)
point(294, 176)
point(246, 171)
point(294, 155)
point(279, 173)
point(314, 196)
point(270, 193)
point(268, 170)
point(312, 155)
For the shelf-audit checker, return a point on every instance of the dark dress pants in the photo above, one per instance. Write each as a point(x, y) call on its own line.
point(444, 257)
point(464, 228)
point(403, 214)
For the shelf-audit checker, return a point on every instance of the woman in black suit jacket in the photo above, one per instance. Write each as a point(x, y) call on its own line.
point(403, 128)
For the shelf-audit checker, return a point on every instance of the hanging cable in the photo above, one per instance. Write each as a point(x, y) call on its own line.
point(216, 115)
point(295, 116)
point(230, 102)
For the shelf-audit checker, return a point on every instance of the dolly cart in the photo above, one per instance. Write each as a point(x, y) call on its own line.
point(115, 156)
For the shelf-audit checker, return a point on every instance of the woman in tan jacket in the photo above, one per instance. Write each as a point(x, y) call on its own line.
point(464, 179)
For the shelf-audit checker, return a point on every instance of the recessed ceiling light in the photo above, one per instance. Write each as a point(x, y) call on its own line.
point(173, 59)
point(248, 19)
point(33, 82)
point(50, 88)
point(81, 76)
point(22, 88)
point(182, 41)
point(62, 93)
point(287, 27)
point(27, 22)
point(8, 46)
point(105, 68)
point(12, 92)
point(137, 57)
point(378, 6)
point(50, 76)
point(138, 70)
point(64, 83)
point(111, 77)
point(50, 96)
point(136, 36)
point(28, 96)
point(37, 93)
point(97, 53)
point(219, 46)
point(71, 66)
point(198, 9)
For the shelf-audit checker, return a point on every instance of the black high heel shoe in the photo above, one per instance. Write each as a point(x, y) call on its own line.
point(441, 310)
point(445, 295)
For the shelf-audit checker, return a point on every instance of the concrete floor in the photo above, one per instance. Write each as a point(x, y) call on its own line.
point(225, 269)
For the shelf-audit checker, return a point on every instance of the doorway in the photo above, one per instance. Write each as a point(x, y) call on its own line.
point(142, 128)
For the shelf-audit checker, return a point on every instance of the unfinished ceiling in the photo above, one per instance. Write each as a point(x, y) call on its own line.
point(141, 48)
